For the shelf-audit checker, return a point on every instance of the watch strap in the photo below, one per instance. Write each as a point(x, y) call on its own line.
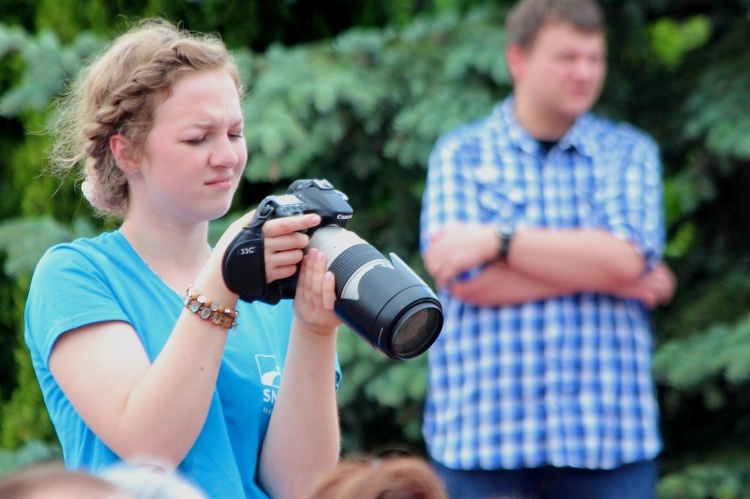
point(505, 235)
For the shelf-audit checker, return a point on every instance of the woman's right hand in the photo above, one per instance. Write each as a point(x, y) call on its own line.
point(284, 244)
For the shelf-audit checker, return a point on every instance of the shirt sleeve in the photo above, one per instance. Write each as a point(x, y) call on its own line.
point(67, 292)
point(450, 194)
point(630, 201)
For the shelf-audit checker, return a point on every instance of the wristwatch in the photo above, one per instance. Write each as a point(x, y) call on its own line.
point(505, 234)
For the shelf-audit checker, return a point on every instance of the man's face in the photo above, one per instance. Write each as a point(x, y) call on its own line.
point(562, 73)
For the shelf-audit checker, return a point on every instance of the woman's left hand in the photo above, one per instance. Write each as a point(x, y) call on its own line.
point(315, 295)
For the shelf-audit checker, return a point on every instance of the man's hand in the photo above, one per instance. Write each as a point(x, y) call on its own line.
point(458, 248)
point(654, 289)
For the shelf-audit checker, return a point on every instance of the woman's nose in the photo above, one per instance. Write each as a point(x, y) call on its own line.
point(225, 154)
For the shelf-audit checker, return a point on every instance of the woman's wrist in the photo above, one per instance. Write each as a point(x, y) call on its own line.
point(214, 312)
point(210, 282)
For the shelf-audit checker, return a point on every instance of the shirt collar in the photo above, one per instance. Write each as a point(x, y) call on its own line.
point(578, 137)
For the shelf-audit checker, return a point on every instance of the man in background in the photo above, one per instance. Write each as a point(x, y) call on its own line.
point(543, 228)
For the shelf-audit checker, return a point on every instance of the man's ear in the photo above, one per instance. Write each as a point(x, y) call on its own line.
point(124, 152)
point(515, 57)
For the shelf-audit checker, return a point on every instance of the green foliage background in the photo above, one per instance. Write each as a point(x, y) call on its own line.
point(357, 92)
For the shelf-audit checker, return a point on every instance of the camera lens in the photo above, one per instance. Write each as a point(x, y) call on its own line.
point(416, 330)
point(383, 301)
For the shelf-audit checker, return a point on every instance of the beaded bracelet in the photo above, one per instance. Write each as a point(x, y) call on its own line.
point(215, 314)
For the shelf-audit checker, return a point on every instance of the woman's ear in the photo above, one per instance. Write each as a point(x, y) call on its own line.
point(124, 153)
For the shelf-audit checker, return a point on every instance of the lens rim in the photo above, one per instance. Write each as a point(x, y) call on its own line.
point(405, 316)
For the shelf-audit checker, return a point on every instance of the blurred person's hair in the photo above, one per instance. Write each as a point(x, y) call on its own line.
point(151, 481)
point(397, 477)
point(53, 480)
point(527, 18)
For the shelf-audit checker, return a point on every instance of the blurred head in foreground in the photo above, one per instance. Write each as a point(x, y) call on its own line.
point(48, 481)
point(400, 477)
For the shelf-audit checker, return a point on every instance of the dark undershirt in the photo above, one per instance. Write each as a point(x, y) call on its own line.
point(547, 145)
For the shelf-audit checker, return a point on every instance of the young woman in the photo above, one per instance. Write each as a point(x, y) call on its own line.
point(133, 362)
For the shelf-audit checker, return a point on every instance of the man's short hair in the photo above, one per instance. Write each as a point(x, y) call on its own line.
point(528, 16)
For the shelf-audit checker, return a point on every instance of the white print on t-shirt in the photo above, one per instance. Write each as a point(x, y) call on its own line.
point(270, 376)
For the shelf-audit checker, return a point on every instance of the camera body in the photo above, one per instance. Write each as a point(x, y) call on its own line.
point(309, 196)
point(303, 196)
point(382, 300)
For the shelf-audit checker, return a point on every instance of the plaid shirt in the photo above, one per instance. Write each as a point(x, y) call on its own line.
point(564, 381)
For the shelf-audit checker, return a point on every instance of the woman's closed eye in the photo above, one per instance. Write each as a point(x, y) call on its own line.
point(200, 140)
point(196, 141)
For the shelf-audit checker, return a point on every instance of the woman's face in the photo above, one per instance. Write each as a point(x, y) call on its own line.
point(195, 153)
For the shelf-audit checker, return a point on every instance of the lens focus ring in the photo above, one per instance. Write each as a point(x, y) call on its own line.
point(351, 261)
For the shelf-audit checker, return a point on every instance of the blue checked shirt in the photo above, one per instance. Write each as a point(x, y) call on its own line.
point(564, 381)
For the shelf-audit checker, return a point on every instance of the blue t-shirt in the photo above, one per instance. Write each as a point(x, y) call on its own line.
point(103, 279)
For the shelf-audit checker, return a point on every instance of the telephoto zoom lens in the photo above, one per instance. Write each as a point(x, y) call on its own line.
point(382, 300)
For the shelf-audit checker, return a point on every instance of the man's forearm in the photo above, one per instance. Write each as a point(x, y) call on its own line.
point(499, 285)
point(544, 264)
point(575, 260)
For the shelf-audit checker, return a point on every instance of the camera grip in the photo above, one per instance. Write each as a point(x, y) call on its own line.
point(244, 266)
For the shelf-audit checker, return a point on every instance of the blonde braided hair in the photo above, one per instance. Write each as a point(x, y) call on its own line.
point(116, 94)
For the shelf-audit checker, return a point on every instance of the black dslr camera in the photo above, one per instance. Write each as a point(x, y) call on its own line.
point(382, 300)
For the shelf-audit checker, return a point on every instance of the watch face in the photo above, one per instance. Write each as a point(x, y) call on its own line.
point(506, 229)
